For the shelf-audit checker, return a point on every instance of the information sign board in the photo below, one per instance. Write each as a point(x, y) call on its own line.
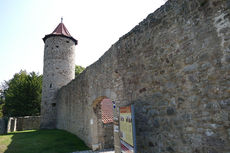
point(127, 129)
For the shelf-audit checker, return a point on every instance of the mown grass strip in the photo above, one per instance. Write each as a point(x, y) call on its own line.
point(41, 141)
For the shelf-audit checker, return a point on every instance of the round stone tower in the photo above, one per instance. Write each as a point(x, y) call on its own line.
point(58, 70)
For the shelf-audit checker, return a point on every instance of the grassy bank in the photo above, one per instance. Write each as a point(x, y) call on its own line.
point(40, 141)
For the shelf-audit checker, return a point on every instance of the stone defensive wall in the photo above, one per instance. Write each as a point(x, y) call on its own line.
point(175, 68)
point(23, 123)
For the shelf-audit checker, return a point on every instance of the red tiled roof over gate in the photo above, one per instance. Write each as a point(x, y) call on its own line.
point(61, 30)
point(107, 111)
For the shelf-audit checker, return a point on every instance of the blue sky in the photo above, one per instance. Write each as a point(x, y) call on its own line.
point(95, 24)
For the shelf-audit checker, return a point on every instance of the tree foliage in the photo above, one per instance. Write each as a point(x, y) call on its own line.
point(78, 70)
point(1, 114)
point(21, 95)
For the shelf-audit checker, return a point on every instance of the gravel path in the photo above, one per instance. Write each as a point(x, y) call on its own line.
point(90, 151)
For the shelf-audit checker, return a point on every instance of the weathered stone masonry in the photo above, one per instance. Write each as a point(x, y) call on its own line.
point(175, 68)
point(23, 123)
point(59, 65)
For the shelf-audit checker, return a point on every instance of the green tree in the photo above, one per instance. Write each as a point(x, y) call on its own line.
point(22, 94)
point(3, 88)
point(1, 113)
point(78, 70)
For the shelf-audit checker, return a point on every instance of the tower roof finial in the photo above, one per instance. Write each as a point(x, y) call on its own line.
point(61, 19)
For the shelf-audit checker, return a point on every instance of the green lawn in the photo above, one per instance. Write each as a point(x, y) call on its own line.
point(40, 141)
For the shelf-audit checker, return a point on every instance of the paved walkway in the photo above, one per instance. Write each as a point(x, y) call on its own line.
point(90, 151)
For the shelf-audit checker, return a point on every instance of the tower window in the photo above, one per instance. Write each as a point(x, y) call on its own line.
point(57, 46)
point(51, 85)
point(53, 104)
point(67, 41)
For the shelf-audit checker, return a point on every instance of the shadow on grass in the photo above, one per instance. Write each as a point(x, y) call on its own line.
point(44, 141)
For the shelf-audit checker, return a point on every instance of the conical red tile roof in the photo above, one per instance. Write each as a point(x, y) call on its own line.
point(60, 30)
